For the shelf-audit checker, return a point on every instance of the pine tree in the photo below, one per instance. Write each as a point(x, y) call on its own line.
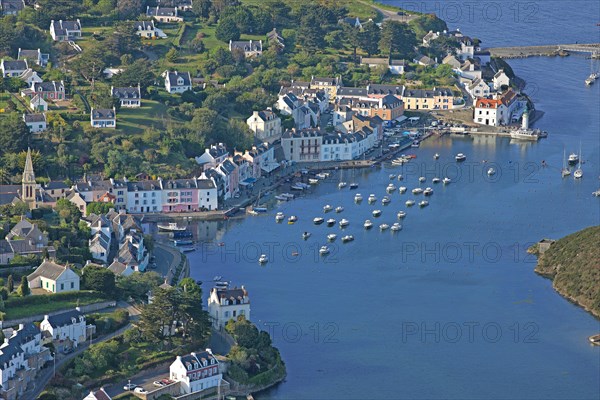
point(23, 287)
point(10, 284)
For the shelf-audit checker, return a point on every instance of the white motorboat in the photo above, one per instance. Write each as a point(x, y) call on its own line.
point(358, 197)
point(292, 219)
point(400, 177)
point(428, 191)
point(344, 222)
point(422, 179)
point(446, 181)
point(324, 250)
point(402, 189)
point(331, 237)
point(390, 188)
point(376, 213)
point(318, 221)
point(436, 180)
point(384, 227)
point(347, 238)
point(596, 193)
point(289, 196)
point(327, 208)
point(396, 227)
point(392, 176)
point(279, 217)
point(401, 214)
point(417, 191)
point(322, 175)
point(306, 235)
point(368, 224)
point(372, 198)
point(263, 259)
point(171, 227)
point(410, 203)
point(331, 222)
point(423, 203)
point(386, 200)
point(313, 181)
point(460, 157)
point(342, 185)
point(573, 159)
point(297, 186)
point(491, 171)
point(281, 197)
point(436, 156)
point(339, 209)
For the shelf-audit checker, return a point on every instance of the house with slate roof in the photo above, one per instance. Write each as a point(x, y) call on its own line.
point(227, 304)
point(120, 269)
point(265, 124)
point(177, 82)
point(62, 31)
point(35, 122)
point(147, 29)
point(99, 394)
point(54, 278)
point(11, 7)
point(13, 68)
point(33, 56)
point(46, 90)
point(164, 14)
point(250, 48)
point(103, 117)
point(196, 372)
point(66, 330)
point(130, 97)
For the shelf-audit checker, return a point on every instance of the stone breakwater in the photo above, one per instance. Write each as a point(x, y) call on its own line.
point(547, 50)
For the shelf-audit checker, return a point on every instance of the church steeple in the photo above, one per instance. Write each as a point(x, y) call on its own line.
point(28, 182)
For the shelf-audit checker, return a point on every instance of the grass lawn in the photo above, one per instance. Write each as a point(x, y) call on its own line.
point(134, 120)
point(21, 307)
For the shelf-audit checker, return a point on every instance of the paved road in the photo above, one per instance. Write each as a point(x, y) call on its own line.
point(392, 15)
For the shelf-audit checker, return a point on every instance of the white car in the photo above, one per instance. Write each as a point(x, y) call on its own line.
point(140, 390)
point(129, 386)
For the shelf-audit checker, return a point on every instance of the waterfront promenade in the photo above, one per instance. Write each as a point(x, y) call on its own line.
point(546, 50)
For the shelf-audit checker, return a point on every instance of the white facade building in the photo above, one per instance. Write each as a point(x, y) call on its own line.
point(228, 304)
point(196, 372)
point(69, 325)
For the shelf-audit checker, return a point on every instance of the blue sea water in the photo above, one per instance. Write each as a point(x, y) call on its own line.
point(450, 306)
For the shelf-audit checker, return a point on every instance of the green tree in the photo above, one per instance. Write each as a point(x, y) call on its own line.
point(3, 293)
point(201, 8)
point(396, 37)
point(23, 287)
point(100, 279)
point(10, 284)
point(137, 285)
point(129, 9)
point(427, 22)
point(369, 38)
point(138, 72)
point(14, 134)
point(68, 211)
point(227, 30)
point(98, 208)
point(310, 34)
point(90, 63)
point(121, 41)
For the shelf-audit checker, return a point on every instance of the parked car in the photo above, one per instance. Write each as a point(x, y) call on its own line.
point(159, 383)
point(140, 390)
point(129, 386)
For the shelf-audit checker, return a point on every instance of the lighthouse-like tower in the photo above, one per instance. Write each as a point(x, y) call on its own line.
point(28, 183)
point(525, 121)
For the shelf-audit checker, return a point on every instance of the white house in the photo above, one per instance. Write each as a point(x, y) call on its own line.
point(251, 48)
point(302, 145)
point(467, 48)
point(103, 118)
point(13, 68)
point(99, 246)
point(99, 394)
point(38, 103)
point(196, 372)
point(147, 29)
point(207, 194)
point(265, 124)
point(120, 269)
point(54, 278)
point(164, 14)
point(69, 326)
point(478, 88)
point(228, 304)
point(213, 156)
point(396, 67)
point(35, 122)
point(470, 70)
point(177, 82)
point(500, 79)
point(29, 76)
point(35, 56)
point(130, 97)
point(496, 111)
point(62, 31)
point(144, 197)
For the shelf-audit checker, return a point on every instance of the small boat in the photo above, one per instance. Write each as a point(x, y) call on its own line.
point(259, 209)
point(331, 237)
point(396, 227)
point(358, 197)
point(331, 222)
point(392, 176)
point(390, 188)
point(565, 171)
point(573, 159)
point(589, 81)
point(415, 144)
point(422, 179)
point(188, 249)
point(417, 191)
point(435, 180)
point(400, 177)
point(318, 221)
point(376, 213)
point(402, 189)
point(292, 219)
point(263, 259)
point(423, 203)
point(313, 181)
point(446, 181)
point(578, 174)
point(339, 209)
point(327, 208)
point(595, 339)
point(296, 186)
point(401, 214)
point(344, 222)
point(436, 156)
point(372, 198)
point(289, 195)
point(183, 242)
point(428, 191)
point(281, 197)
point(386, 200)
point(410, 203)
point(170, 227)
point(279, 217)
point(384, 227)
point(347, 238)
point(460, 157)
point(354, 186)
point(596, 193)
point(368, 224)
point(321, 175)
point(342, 185)
point(305, 235)
point(324, 250)
point(491, 172)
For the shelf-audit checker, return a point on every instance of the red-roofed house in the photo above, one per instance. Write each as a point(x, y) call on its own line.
point(495, 111)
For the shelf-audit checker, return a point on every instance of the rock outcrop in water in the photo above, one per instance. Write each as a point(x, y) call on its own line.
point(573, 264)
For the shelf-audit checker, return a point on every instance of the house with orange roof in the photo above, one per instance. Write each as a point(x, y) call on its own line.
point(496, 111)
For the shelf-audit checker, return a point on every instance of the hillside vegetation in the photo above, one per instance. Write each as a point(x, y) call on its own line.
point(573, 264)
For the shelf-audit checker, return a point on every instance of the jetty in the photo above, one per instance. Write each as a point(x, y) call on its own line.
point(546, 50)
